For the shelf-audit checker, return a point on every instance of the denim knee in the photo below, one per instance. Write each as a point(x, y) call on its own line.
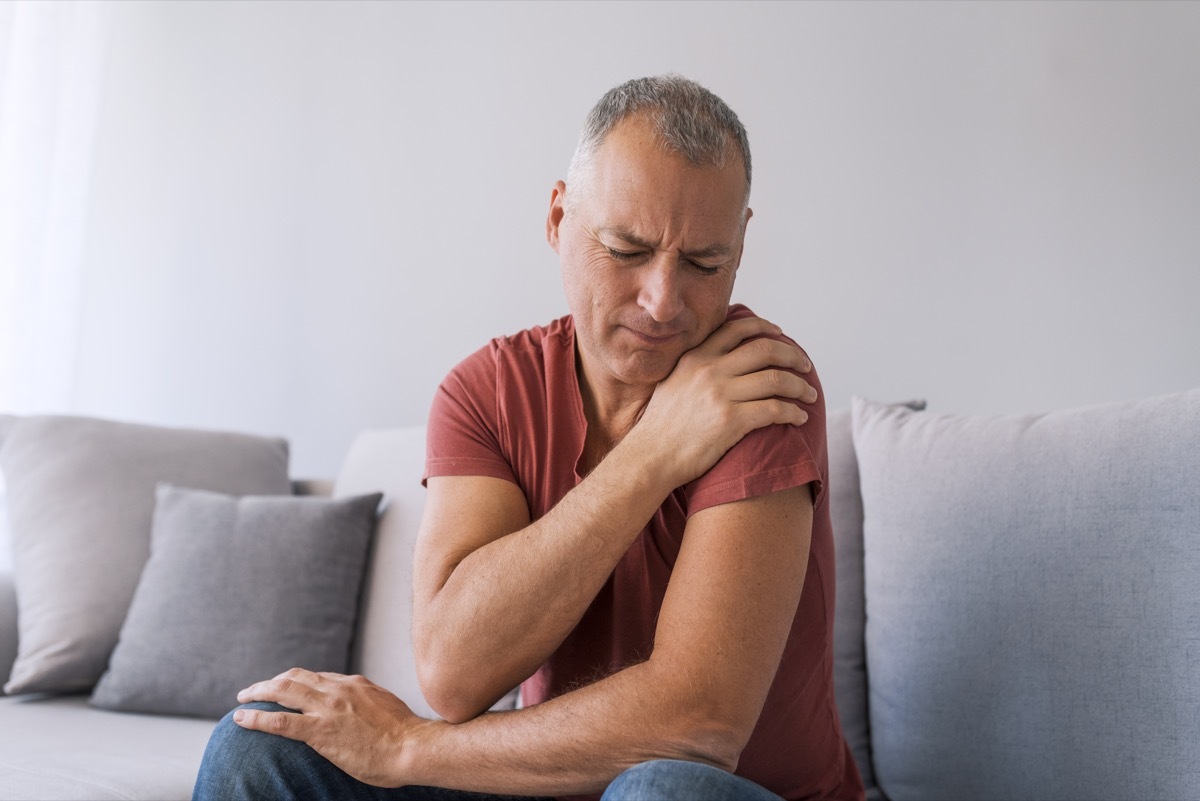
point(672, 779)
point(243, 764)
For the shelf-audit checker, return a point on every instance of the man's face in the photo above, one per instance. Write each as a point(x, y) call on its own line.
point(649, 253)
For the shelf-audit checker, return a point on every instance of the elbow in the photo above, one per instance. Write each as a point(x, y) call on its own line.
point(714, 734)
point(449, 692)
point(721, 749)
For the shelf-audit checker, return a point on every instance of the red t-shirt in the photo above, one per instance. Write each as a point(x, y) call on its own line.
point(513, 410)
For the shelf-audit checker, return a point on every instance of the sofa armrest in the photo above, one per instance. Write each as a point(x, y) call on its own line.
point(8, 626)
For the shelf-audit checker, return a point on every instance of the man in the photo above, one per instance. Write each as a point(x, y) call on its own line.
point(625, 511)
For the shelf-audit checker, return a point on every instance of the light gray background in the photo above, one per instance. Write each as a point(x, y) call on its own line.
point(302, 215)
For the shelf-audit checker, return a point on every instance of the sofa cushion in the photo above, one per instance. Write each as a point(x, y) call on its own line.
point(1033, 599)
point(59, 747)
point(7, 421)
point(238, 590)
point(849, 651)
point(391, 461)
point(80, 493)
point(8, 624)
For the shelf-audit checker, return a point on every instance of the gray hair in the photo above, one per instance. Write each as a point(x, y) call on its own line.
point(687, 118)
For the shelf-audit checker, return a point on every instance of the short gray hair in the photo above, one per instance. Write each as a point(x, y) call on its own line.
point(687, 118)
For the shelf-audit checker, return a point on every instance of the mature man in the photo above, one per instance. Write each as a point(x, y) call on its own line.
point(626, 511)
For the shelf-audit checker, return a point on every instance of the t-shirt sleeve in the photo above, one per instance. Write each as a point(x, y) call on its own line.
point(463, 436)
point(767, 460)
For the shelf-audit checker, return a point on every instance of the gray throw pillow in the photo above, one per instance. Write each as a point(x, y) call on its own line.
point(80, 495)
point(238, 590)
point(849, 650)
point(1033, 600)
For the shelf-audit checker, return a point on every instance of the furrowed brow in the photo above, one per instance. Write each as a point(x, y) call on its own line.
point(628, 236)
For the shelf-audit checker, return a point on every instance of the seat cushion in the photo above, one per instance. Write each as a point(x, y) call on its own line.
point(60, 748)
point(1033, 601)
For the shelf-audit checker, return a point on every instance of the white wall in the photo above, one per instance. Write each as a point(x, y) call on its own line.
point(303, 215)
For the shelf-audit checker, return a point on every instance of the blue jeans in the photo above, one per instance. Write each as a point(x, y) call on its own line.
point(240, 765)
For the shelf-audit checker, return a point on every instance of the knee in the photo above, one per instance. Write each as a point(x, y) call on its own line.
point(668, 779)
point(657, 780)
point(239, 763)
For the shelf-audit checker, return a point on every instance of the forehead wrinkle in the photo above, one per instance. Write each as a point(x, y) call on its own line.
point(628, 235)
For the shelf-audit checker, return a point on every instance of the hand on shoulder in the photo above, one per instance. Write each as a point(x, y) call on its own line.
point(741, 378)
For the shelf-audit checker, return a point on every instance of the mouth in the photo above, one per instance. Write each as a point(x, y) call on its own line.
point(653, 338)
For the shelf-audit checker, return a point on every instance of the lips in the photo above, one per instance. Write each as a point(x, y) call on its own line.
point(657, 338)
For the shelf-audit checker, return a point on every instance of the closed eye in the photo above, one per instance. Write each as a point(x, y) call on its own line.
point(621, 255)
point(705, 269)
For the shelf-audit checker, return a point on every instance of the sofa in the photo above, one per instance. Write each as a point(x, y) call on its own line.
point(1018, 596)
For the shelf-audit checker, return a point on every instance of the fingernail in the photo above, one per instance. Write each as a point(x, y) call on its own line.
point(239, 716)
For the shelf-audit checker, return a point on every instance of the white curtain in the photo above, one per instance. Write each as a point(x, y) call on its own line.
point(51, 57)
point(51, 60)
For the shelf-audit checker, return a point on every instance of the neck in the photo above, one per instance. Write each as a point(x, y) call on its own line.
point(611, 407)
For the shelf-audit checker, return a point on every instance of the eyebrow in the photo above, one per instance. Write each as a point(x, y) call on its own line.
point(629, 236)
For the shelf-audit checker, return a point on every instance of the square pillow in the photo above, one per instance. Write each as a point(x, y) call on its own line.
point(80, 494)
point(1033, 600)
point(238, 590)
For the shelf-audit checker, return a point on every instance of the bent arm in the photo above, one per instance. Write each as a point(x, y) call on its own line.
point(496, 594)
point(721, 633)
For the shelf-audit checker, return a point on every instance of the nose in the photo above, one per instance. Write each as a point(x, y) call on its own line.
point(660, 294)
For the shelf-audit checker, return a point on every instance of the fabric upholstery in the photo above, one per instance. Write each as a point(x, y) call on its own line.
point(8, 624)
point(7, 421)
point(849, 649)
point(238, 590)
point(80, 494)
point(59, 747)
point(1033, 600)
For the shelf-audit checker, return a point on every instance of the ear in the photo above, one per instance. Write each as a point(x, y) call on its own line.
point(742, 241)
point(555, 217)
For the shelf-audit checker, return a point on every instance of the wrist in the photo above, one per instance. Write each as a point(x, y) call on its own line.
point(647, 465)
point(418, 749)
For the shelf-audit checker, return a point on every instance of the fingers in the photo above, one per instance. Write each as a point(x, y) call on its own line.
point(771, 383)
point(294, 688)
point(285, 724)
point(770, 411)
point(759, 353)
point(733, 334)
point(767, 368)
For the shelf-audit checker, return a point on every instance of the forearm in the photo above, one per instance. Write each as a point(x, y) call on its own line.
point(576, 743)
point(506, 606)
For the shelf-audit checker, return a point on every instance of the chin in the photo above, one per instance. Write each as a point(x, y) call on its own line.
point(645, 368)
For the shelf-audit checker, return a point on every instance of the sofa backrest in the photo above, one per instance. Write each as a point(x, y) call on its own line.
point(1032, 594)
point(390, 461)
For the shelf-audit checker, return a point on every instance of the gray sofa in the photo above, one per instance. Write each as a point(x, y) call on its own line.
point(1018, 612)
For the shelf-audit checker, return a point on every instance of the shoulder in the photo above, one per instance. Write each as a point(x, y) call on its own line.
point(772, 458)
point(510, 353)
